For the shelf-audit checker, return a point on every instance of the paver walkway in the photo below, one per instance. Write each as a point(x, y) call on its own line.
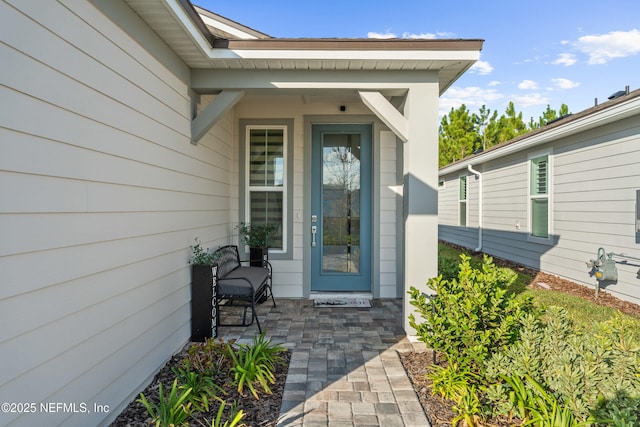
point(344, 369)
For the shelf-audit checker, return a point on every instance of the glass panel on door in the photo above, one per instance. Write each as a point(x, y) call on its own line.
point(341, 203)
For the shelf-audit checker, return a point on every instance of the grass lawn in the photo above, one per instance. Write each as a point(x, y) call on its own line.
point(582, 311)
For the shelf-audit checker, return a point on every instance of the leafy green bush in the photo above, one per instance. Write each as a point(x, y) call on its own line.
point(535, 406)
point(594, 375)
point(201, 256)
point(255, 363)
point(448, 268)
point(470, 316)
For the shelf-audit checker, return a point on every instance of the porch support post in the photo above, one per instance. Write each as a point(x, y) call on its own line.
point(213, 112)
point(420, 192)
point(386, 112)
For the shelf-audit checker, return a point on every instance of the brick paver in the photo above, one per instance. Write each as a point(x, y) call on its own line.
point(344, 369)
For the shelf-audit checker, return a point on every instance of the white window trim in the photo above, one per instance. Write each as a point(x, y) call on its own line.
point(466, 201)
point(549, 196)
point(283, 188)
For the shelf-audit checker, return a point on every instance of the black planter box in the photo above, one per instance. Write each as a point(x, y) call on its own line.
point(202, 303)
point(257, 256)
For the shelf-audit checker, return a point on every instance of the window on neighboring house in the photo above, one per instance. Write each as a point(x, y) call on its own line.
point(539, 197)
point(267, 179)
point(463, 201)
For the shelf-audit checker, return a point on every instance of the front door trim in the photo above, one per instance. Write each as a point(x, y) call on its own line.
point(375, 182)
point(341, 243)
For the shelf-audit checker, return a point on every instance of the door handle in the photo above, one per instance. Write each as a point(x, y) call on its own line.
point(314, 231)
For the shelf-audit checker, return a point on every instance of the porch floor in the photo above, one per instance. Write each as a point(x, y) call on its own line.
point(344, 369)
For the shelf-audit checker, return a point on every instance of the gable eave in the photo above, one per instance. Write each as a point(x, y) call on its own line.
point(179, 24)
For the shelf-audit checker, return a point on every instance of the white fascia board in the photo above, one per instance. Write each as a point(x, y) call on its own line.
point(205, 79)
point(390, 55)
point(189, 26)
point(227, 28)
point(601, 118)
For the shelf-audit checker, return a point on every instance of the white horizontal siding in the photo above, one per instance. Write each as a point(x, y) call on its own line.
point(101, 195)
point(388, 258)
point(448, 201)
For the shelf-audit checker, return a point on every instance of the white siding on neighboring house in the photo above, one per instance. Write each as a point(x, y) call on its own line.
point(101, 195)
point(595, 183)
point(449, 213)
point(594, 176)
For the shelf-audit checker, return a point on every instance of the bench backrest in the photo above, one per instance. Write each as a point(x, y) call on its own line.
point(227, 258)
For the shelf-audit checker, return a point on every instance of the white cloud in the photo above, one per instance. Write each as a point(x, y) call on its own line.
point(406, 35)
point(481, 67)
point(616, 44)
point(566, 59)
point(529, 100)
point(494, 83)
point(473, 97)
point(561, 83)
point(527, 85)
point(387, 35)
point(419, 36)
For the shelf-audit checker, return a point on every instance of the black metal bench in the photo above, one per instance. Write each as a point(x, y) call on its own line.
point(236, 284)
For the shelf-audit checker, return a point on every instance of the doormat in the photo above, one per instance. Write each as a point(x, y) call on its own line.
point(342, 302)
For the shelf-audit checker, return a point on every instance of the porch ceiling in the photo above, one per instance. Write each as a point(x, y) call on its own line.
point(180, 26)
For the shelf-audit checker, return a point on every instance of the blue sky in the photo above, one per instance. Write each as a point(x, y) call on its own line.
point(535, 53)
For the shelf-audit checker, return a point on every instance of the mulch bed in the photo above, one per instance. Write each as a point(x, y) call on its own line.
point(261, 412)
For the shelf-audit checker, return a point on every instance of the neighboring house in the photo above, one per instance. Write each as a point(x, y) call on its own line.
point(551, 198)
point(131, 127)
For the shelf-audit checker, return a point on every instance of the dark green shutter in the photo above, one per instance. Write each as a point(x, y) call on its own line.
point(540, 203)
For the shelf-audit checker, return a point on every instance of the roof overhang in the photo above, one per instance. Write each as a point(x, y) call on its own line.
point(183, 29)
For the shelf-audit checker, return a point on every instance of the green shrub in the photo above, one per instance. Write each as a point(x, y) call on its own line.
point(203, 388)
point(448, 268)
point(592, 375)
point(535, 406)
point(235, 418)
point(209, 357)
point(170, 411)
point(470, 316)
point(255, 363)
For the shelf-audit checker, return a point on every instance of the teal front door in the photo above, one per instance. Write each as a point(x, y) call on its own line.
point(341, 207)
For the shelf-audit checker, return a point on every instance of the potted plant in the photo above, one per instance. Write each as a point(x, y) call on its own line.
point(201, 292)
point(259, 238)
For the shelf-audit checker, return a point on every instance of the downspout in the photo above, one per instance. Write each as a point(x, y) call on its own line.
point(479, 175)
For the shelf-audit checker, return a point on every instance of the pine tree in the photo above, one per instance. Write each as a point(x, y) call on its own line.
point(458, 137)
point(461, 133)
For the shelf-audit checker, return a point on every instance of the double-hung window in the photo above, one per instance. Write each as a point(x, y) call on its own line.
point(267, 179)
point(462, 202)
point(539, 197)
